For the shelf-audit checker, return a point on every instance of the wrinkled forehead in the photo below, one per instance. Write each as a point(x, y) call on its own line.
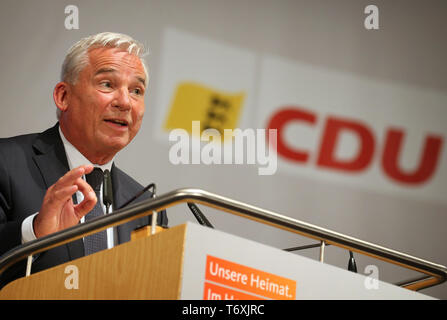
point(107, 58)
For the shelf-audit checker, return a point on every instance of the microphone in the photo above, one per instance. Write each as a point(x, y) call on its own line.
point(352, 266)
point(309, 246)
point(139, 194)
point(199, 215)
point(194, 209)
point(164, 222)
point(107, 191)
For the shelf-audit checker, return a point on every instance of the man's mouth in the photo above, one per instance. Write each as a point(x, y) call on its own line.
point(120, 122)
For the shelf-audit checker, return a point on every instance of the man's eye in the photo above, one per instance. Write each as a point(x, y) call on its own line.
point(138, 91)
point(106, 84)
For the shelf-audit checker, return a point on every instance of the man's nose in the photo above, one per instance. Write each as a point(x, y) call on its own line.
point(122, 100)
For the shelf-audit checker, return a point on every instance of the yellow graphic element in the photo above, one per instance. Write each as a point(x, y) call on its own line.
point(214, 109)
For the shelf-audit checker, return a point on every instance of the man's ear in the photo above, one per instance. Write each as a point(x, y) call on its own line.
point(60, 96)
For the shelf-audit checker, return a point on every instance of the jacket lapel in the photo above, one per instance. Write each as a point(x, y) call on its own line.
point(50, 156)
point(122, 192)
point(52, 162)
point(120, 197)
point(119, 194)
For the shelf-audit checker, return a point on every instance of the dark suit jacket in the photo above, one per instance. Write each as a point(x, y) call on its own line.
point(29, 165)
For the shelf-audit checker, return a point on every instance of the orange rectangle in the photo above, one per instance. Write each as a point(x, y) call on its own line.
point(214, 292)
point(249, 279)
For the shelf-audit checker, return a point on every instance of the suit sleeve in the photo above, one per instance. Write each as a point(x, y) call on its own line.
point(10, 229)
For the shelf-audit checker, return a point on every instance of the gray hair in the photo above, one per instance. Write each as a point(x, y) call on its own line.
point(77, 56)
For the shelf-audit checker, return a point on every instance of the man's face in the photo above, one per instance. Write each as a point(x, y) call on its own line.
point(106, 105)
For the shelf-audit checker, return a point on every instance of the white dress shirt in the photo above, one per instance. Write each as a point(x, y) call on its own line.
point(75, 159)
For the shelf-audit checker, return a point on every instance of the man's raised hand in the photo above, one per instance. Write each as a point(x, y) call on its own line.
point(58, 211)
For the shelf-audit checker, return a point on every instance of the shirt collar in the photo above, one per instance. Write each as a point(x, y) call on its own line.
point(76, 159)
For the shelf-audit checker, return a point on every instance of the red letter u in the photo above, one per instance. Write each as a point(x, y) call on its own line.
point(427, 165)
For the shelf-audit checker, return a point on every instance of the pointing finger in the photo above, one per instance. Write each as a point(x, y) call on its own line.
point(60, 196)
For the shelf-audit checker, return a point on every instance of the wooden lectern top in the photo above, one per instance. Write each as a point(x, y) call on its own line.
point(118, 273)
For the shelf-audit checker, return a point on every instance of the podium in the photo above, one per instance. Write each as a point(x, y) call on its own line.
point(191, 261)
point(194, 262)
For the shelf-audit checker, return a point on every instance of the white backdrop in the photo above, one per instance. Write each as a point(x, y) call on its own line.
point(314, 56)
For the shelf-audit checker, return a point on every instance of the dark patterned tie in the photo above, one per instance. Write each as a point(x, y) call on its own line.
point(98, 241)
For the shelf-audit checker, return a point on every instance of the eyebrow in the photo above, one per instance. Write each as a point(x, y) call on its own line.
point(105, 70)
point(111, 70)
point(142, 81)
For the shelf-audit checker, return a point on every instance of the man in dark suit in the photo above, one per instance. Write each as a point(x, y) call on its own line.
point(43, 189)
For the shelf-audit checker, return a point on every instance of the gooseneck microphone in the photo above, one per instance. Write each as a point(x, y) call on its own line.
point(199, 215)
point(352, 266)
point(194, 209)
point(139, 194)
